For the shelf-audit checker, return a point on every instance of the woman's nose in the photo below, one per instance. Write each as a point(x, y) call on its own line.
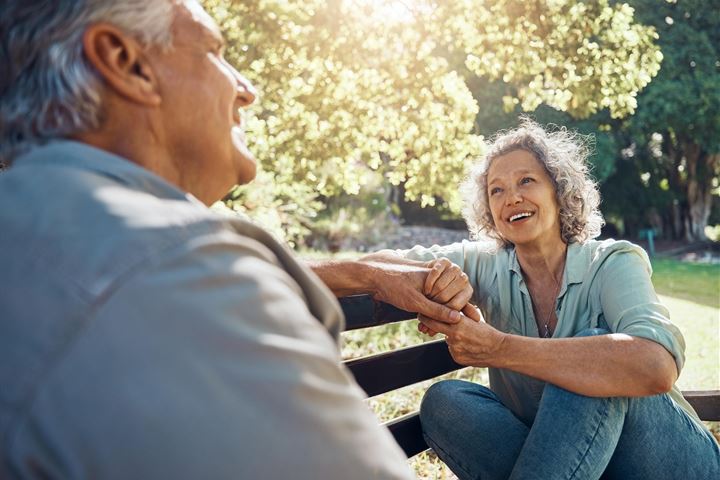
point(513, 197)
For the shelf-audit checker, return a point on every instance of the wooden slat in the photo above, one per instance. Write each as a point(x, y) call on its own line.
point(408, 433)
point(361, 311)
point(706, 403)
point(383, 372)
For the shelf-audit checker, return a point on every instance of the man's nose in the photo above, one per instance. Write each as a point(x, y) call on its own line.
point(246, 91)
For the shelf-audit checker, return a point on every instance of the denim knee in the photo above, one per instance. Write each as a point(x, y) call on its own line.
point(443, 397)
point(437, 398)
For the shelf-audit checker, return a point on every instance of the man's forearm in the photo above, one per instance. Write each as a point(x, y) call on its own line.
point(392, 280)
point(358, 276)
point(345, 277)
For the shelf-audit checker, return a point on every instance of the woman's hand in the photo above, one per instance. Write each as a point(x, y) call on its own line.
point(471, 341)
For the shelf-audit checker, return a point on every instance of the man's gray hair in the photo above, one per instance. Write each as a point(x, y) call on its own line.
point(564, 156)
point(47, 87)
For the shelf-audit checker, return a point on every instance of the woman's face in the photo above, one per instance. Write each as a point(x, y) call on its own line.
point(522, 200)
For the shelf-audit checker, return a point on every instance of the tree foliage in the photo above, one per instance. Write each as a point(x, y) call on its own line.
point(677, 123)
point(351, 87)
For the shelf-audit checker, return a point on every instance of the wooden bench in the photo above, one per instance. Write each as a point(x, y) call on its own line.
point(388, 371)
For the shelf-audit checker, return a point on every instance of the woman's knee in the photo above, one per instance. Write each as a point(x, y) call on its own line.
point(568, 403)
point(446, 396)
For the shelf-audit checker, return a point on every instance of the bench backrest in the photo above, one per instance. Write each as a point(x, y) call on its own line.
point(388, 371)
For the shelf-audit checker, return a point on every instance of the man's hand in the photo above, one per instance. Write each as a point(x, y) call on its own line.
point(398, 281)
point(402, 286)
point(447, 284)
point(471, 341)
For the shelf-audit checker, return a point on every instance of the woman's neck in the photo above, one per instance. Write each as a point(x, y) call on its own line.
point(539, 262)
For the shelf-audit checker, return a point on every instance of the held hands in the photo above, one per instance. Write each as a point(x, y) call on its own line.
point(471, 341)
point(446, 284)
point(437, 289)
point(403, 284)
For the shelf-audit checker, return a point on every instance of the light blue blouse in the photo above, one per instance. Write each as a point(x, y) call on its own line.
point(606, 284)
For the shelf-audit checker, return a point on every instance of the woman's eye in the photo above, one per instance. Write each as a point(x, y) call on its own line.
point(495, 190)
point(526, 180)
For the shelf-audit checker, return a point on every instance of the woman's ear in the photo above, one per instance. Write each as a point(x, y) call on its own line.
point(121, 62)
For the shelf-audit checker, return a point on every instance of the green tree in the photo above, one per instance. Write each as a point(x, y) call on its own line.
point(678, 116)
point(349, 86)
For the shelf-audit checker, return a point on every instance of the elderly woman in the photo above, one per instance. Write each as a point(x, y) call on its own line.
point(582, 355)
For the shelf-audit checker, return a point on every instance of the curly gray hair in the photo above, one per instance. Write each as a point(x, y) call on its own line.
point(564, 155)
point(47, 88)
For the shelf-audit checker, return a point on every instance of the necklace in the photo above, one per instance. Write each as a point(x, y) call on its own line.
point(546, 325)
point(546, 333)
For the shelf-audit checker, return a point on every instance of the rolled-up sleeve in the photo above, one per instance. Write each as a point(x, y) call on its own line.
point(631, 306)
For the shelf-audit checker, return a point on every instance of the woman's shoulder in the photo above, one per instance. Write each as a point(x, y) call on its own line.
point(600, 254)
point(610, 246)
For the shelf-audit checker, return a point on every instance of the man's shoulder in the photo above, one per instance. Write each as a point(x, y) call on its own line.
point(90, 225)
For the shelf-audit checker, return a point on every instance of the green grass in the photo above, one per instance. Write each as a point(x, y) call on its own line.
point(690, 291)
point(700, 326)
point(696, 282)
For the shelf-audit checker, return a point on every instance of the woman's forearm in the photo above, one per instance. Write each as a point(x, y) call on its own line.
point(599, 366)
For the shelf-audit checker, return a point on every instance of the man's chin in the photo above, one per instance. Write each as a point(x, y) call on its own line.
point(246, 167)
point(247, 173)
point(245, 161)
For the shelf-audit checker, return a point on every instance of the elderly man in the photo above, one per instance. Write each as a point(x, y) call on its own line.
point(141, 335)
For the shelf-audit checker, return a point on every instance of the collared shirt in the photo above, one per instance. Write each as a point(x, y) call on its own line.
point(144, 336)
point(605, 284)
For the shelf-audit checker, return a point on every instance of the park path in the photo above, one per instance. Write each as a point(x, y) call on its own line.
point(409, 236)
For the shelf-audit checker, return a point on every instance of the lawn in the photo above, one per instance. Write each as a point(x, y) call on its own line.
point(695, 282)
point(690, 291)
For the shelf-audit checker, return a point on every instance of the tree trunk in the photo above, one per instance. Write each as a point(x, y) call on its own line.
point(677, 186)
point(701, 168)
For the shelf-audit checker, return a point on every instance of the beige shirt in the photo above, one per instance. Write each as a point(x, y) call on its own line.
point(144, 336)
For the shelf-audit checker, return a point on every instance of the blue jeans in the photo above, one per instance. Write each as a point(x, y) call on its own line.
point(572, 436)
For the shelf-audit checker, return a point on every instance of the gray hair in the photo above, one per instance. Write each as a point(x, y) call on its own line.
point(47, 88)
point(564, 155)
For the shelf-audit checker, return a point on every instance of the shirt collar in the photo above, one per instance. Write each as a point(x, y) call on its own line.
point(80, 155)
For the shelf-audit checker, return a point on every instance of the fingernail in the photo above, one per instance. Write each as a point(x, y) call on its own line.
point(455, 315)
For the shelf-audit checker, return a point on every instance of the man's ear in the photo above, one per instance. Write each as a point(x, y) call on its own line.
point(121, 62)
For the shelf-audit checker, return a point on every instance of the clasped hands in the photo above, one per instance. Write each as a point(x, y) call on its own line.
point(471, 341)
point(439, 291)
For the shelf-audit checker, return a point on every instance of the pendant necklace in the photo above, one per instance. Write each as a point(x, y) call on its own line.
point(546, 325)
